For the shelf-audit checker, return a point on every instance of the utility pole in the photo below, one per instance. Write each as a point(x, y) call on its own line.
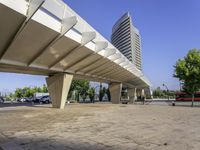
point(167, 90)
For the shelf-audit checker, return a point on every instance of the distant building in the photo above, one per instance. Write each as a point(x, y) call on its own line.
point(126, 38)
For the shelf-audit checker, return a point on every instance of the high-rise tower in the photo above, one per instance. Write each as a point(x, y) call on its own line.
point(126, 38)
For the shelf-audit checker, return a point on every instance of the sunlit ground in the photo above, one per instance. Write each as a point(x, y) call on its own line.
point(100, 126)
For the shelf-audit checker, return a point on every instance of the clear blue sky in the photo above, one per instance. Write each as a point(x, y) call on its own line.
point(169, 28)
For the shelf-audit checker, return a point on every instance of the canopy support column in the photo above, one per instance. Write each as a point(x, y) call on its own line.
point(132, 95)
point(58, 87)
point(115, 92)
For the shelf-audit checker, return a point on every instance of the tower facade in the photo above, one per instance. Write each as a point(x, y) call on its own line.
point(126, 38)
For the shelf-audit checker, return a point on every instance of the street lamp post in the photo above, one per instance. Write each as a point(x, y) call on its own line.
point(167, 90)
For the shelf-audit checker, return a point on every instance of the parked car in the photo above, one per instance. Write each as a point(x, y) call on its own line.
point(39, 95)
point(23, 99)
point(45, 99)
point(37, 99)
point(42, 99)
point(29, 99)
point(2, 100)
point(125, 101)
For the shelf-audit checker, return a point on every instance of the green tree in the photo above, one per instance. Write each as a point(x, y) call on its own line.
point(102, 92)
point(187, 70)
point(158, 92)
point(91, 93)
point(36, 90)
point(44, 88)
point(18, 93)
point(11, 95)
point(108, 94)
point(29, 92)
point(81, 86)
point(84, 86)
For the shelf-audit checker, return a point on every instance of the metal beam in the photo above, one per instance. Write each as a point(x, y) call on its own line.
point(95, 62)
point(91, 78)
point(132, 69)
point(92, 63)
point(110, 61)
point(62, 57)
point(124, 63)
point(129, 77)
point(97, 67)
point(98, 47)
point(119, 61)
point(116, 71)
point(79, 60)
point(107, 68)
point(113, 71)
point(116, 56)
point(89, 64)
point(135, 71)
point(136, 80)
point(103, 68)
point(67, 24)
point(128, 67)
point(86, 38)
point(34, 5)
point(108, 52)
point(135, 85)
point(121, 76)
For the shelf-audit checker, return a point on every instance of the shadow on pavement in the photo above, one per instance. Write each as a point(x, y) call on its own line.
point(35, 143)
point(2, 105)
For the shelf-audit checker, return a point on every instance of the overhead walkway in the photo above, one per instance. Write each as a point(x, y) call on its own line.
point(46, 37)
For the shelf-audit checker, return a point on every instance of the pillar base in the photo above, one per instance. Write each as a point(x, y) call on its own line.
point(115, 92)
point(58, 87)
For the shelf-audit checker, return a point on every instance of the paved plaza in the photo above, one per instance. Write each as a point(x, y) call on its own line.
point(99, 127)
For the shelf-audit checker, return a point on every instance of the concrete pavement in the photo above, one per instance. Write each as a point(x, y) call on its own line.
point(100, 126)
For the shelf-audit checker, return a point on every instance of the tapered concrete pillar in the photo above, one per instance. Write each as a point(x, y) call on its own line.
point(115, 92)
point(132, 95)
point(135, 95)
point(58, 87)
point(142, 93)
point(138, 94)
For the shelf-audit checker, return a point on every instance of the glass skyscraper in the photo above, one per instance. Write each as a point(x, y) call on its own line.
point(126, 38)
